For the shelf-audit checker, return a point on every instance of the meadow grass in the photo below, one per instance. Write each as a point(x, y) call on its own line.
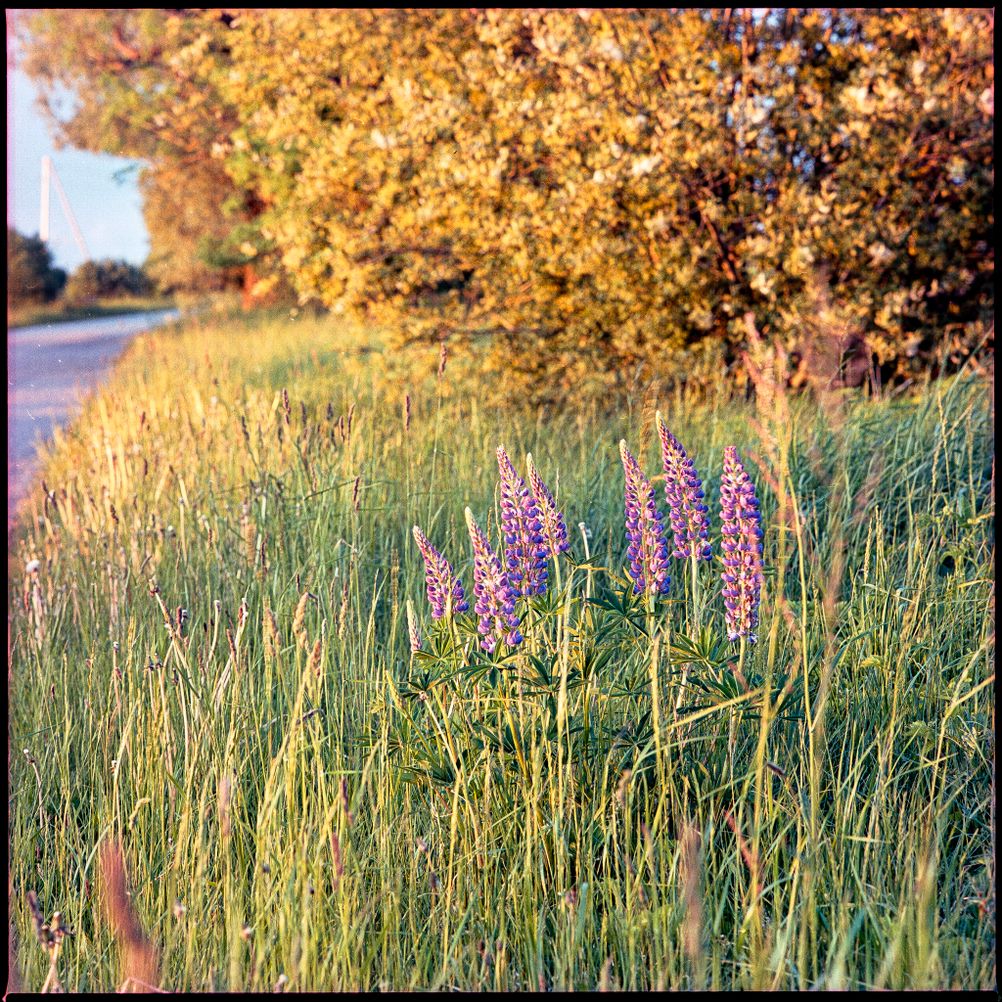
point(299, 801)
point(59, 312)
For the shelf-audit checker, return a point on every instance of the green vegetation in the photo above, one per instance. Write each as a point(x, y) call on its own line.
point(107, 279)
point(595, 192)
point(32, 278)
point(38, 292)
point(301, 801)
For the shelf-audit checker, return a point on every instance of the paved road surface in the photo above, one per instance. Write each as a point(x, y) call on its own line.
point(50, 368)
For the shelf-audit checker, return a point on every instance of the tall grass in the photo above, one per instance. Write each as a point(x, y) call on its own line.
point(298, 801)
point(51, 313)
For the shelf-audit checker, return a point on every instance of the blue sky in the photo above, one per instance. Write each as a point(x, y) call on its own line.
point(109, 211)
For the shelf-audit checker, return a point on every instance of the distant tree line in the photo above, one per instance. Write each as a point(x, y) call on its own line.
point(596, 192)
point(33, 279)
point(106, 279)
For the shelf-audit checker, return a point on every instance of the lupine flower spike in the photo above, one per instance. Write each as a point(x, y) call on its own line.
point(495, 603)
point(742, 546)
point(554, 527)
point(445, 591)
point(413, 633)
point(684, 493)
point(648, 549)
point(522, 527)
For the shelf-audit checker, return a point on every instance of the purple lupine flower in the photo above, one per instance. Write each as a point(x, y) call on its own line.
point(648, 550)
point(445, 591)
point(522, 528)
point(495, 603)
point(554, 527)
point(742, 546)
point(413, 633)
point(690, 525)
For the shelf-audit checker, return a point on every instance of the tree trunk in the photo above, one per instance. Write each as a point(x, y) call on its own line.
point(249, 280)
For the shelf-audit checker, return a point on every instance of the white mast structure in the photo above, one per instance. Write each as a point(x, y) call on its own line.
point(48, 175)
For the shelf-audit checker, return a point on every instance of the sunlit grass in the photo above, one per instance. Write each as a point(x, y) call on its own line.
point(271, 784)
point(58, 312)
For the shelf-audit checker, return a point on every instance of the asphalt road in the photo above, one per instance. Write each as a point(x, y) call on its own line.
point(50, 369)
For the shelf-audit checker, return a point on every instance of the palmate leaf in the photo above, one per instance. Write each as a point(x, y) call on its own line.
point(418, 685)
point(430, 762)
point(541, 680)
point(440, 642)
point(501, 741)
point(629, 744)
point(596, 660)
point(624, 606)
point(721, 685)
point(708, 650)
point(488, 667)
point(548, 606)
point(634, 681)
point(622, 601)
point(438, 769)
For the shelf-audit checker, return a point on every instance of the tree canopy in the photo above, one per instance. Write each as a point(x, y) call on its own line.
point(31, 275)
point(106, 280)
point(141, 86)
point(599, 192)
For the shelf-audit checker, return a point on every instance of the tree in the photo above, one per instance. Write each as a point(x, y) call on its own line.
point(142, 87)
point(614, 190)
point(604, 194)
point(31, 275)
point(106, 280)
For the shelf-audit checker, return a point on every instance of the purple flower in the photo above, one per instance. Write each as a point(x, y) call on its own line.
point(684, 493)
point(742, 546)
point(495, 603)
point(522, 528)
point(648, 549)
point(554, 528)
point(445, 591)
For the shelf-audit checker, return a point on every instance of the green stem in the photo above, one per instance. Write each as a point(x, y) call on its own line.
point(732, 730)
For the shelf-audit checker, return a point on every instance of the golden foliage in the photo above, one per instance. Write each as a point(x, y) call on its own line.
point(602, 194)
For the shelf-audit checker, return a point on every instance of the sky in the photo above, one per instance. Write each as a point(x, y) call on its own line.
point(108, 211)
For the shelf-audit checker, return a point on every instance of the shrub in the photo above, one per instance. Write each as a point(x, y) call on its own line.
point(107, 280)
point(611, 192)
point(31, 275)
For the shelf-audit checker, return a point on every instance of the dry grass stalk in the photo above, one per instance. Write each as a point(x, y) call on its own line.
point(50, 935)
point(692, 926)
point(272, 637)
point(137, 957)
point(316, 657)
point(299, 621)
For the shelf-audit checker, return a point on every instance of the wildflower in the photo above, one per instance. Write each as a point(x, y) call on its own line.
point(684, 493)
point(648, 550)
point(32, 566)
point(445, 591)
point(522, 529)
point(742, 546)
point(554, 527)
point(412, 628)
point(495, 596)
